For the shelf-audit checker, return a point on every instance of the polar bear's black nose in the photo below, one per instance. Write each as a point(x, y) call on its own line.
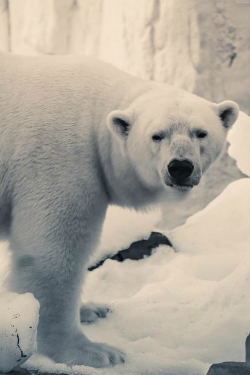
point(180, 169)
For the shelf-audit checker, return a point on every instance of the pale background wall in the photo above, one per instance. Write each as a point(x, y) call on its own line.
point(202, 46)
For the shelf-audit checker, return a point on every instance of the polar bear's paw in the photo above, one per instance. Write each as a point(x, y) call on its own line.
point(103, 355)
point(92, 354)
point(90, 312)
point(72, 348)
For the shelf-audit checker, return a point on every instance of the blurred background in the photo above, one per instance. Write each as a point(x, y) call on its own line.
point(200, 46)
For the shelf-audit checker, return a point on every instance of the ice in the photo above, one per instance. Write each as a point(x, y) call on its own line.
point(18, 325)
point(239, 138)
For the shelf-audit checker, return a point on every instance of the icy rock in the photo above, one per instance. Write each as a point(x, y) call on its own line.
point(248, 349)
point(230, 368)
point(19, 314)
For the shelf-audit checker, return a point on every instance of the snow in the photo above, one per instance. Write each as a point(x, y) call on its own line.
point(181, 309)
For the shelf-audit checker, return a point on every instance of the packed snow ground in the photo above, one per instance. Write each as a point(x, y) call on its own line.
point(176, 312)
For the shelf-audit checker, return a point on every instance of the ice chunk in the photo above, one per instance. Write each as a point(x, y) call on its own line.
point(19, 315)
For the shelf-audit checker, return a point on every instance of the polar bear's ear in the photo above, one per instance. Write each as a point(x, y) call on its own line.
point(119, 123)
point(228, 112)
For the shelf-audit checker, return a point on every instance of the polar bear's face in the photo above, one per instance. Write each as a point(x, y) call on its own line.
point(172, 144)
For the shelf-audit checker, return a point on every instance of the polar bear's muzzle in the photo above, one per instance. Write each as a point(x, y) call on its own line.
point(180, 170)
point(182, 174)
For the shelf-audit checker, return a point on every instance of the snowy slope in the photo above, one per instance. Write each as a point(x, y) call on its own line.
point(176, 313)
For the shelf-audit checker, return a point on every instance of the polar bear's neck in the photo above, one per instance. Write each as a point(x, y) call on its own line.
point(124, 187)
point(120, 180)
point(122, 184)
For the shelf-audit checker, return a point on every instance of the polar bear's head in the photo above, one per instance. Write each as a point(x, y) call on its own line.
point(171, 141)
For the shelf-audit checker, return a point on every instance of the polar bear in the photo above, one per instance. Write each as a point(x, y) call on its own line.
point(78, 134)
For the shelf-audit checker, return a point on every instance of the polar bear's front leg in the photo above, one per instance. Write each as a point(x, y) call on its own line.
point(49, 255)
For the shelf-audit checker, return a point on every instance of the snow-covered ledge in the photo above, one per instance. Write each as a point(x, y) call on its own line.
point(239, 139)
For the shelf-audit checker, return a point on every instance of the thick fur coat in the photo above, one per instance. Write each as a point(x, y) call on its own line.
point(76, 135)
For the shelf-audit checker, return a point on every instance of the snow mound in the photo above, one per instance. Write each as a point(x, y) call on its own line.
point(238, 138)
point(222, 225)
point(18, 326)
point(176, 313)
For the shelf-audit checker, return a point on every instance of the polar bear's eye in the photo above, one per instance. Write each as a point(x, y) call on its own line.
point(201, 134)
point(157, 137)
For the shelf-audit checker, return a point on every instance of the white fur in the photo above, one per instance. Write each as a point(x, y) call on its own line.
point(63, 159)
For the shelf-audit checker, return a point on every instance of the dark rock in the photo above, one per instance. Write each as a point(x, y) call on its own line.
point(137, 250)
point(23, 371)
point(248, 349)
point(230, 368)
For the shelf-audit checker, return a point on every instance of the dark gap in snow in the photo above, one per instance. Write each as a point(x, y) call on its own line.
point(137, 250)
point(23, 371)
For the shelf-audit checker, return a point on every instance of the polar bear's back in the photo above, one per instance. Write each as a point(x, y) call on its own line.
point(35, 81)
point(57, 92)
point(53, 112)
point(51, 108)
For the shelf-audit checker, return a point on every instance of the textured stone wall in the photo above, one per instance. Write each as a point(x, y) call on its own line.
point(4, 26)
point(202, 46)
